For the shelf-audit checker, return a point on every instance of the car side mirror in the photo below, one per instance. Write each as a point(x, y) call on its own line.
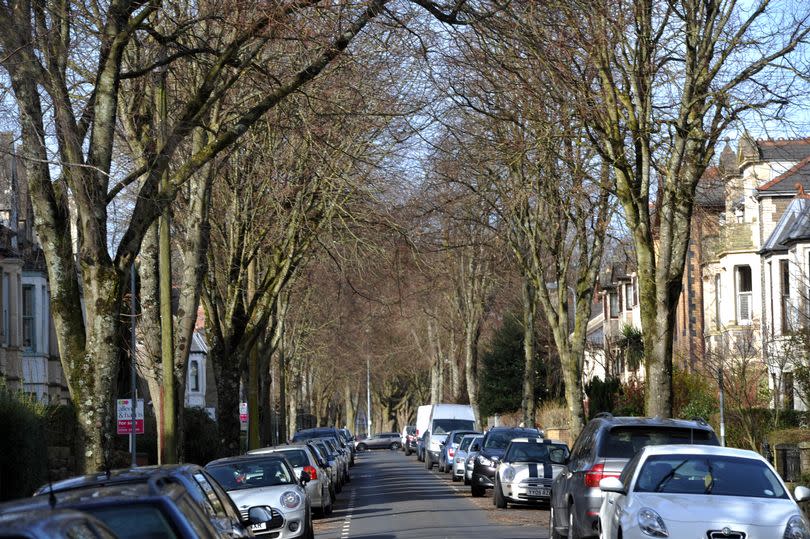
point(801, 494)
point(305, 478)
point(259, 514)
point(444, 442)
point(475, 447)
point(612, 484)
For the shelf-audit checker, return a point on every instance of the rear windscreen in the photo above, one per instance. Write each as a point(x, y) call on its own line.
point(625, 442)
point(297, 458)
point(443, 426)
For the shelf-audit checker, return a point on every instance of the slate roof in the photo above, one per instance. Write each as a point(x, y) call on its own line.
point(784, 149)
point(710, 190)
point(793, 226)
point(786, 183)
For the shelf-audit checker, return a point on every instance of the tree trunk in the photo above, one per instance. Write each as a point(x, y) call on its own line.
point(228, 377)
point(472, 331)
point(529, 310)
point(349, 406)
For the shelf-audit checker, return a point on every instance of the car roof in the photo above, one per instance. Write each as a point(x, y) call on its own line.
point(513, 429)
point(42, 517)
point(714, 450)
point(120, 476)
point(245, 458)
point(652, 421)
point(277, 448)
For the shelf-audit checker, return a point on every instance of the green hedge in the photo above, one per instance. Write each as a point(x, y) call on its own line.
point(23, 445)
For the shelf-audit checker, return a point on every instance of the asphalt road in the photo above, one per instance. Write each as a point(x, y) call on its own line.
point(393, 496)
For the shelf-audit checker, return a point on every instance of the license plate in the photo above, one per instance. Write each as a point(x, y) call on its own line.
point(538, 492)
point(258, 527)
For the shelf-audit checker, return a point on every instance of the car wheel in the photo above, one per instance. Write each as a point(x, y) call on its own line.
point(310, 530)
point(428, 462)
point(500, 499)
point(573, 532)
point(477, 491)
point(466, 481)
point(348, 478)
point(394, 445)
point(361, 447)
point(408, 451)
point(455, 478)
point(552, 533)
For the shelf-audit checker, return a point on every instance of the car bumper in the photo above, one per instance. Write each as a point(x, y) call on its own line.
point(521, 492)
point(482, 480)
point(458, 468)
point(317, 496)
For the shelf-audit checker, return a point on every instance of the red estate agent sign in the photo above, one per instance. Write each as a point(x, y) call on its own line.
point(124, 408)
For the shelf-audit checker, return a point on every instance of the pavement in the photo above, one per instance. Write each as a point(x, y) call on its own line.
point(394, 496)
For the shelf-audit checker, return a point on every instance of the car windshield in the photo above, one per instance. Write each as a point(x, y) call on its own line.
point(466, 441)
point(330, 444)
point(458, 436)
point(296, 457)
point(709, 475)
point(252, 474)
point(410, 430)
point(499, 439)
point(134, 520)
point(536, 452)
point(443, 426)
point(325, 450)
point(624, 442)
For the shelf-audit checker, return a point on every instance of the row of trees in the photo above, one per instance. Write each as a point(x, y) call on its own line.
point(348, 182)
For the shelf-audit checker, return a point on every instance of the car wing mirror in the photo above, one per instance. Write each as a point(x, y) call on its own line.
point(801, 494)
point(260, 514)
point(475, 447)
point(305, 478)
point(612, 484)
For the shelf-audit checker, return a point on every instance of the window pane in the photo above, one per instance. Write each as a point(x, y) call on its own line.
point(744, 278)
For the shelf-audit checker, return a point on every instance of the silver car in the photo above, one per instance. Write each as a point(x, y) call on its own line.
point(382, 440)
point(469, 463)
point(267, 480)
point(460, 458)
point(303, 459)
point(526, 471)
point(334, 459)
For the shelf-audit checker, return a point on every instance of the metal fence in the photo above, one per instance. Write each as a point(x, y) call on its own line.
point(788, 463)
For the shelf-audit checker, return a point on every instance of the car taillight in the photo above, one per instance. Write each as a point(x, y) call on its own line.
point(313, 473)
point(451, 452)
point(596, 474)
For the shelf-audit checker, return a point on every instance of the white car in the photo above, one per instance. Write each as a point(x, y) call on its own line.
point(695, 491)
point(526, 471)
point(267, 480)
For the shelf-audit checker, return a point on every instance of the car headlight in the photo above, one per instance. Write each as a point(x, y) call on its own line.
point(508, 474)
point(290, 499)
point(651, 523)
point(483, 461)
point(459, 460)
point(797, 528)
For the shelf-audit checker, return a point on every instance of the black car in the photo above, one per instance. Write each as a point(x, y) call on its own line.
point(492, 448)
point(327, 432)
point(160, 508)
point(206, 492)
point(53, 524)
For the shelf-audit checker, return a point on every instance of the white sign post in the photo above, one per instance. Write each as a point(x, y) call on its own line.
point(124, 411)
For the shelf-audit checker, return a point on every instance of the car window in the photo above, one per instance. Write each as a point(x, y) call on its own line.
point(444, 426)
point(499, 439)
point(298, 457)
point(224, 499)
point(252, 474)
point(189, 509)
point(318, 456)
point(629, 471)
point(134, 521)
point(465, 443)
point(80, 530)
point(533, 452)
point(713, 475)
point(624, 442)
point(209, 494)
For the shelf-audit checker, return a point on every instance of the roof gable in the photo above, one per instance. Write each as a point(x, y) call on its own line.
point(793, 226)
point(787, 182)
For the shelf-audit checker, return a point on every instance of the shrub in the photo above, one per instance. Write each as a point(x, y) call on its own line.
point(601, 395)
point(551, 414)
point(693, 395)
point(202, 441)
point(630, 400)
point(23, 445)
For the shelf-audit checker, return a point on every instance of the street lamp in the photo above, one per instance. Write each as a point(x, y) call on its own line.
point(368, 395)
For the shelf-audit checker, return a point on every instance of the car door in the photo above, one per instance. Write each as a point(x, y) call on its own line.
point(615, 503)
point(563, 484)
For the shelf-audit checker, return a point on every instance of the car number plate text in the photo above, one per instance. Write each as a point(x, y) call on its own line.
point(538, 492)
point(258, 527)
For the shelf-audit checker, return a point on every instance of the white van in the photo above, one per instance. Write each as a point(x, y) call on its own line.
point(422, 421)
point(445, 418)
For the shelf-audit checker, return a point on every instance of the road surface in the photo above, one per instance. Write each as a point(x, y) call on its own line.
point(393, 496)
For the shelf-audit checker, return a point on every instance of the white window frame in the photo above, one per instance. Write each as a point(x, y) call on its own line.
point(29, 319)
point(743, 298)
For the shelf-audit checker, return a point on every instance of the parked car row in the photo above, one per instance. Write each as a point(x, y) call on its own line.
point(270, 492)
point(629, 477)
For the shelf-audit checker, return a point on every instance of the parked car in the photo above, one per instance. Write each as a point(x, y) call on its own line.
point(53, 524)
point(460, 458)
point(331, 471)
point(493, 446)
point(526, 471)
point(602, 449)
point(267, 480)
point(328, 432)
point(160, 508)
point(342, 455)
point(382, 440)
point(445, 418)
point(303, 458)
point(700, 491)
point(422, 420)
point(331, 458)
point(348, 439)
point(407, 438)
point(449, 448)
point(206, 492)
point(469, 461)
